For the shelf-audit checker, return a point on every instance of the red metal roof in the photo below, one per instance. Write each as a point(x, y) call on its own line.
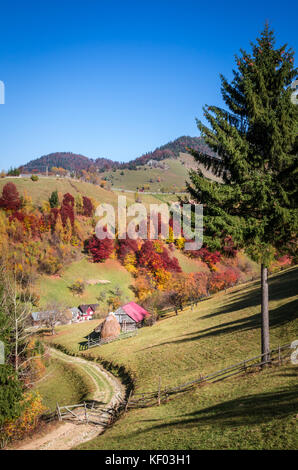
point(135, 311)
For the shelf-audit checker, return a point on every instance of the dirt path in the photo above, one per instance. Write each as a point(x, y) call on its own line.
point(68, 434)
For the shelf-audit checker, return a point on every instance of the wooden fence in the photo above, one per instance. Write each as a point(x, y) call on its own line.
point(89, 413)
point(146, 399)
point(92, 343)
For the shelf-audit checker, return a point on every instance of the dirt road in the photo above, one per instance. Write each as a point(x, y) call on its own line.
point(69, 434)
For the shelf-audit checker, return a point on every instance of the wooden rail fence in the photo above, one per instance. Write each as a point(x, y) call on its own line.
point(92, 343)
point(146, 399)
point(89, 413)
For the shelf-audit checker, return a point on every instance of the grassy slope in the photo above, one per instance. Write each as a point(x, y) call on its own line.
point(171, 179)
point(250, 412)
point(42, 189)
point(64, 384)
point(52, 288)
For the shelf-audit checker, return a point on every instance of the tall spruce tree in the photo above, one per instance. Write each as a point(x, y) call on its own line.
point(256, 144)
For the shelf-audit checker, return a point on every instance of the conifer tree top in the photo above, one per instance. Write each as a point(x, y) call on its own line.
point(255, 139)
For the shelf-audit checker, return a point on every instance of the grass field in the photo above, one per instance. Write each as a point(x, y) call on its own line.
point(63, 383)
point(57, 288)
point(43, 188)
point(172, 178)
point(254, 411)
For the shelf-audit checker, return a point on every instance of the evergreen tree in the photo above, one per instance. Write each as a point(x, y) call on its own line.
point(256, 145)
point(54, 199)
point(11, 392)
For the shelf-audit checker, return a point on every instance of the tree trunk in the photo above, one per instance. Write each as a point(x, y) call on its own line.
point(265, 314)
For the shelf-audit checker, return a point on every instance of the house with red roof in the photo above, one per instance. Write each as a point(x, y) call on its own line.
point(130, 316)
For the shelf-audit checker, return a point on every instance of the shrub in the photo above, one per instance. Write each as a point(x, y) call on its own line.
point(87, 207)
point(16, 429)
point(78, 287)
point(34, 178)
point(100, 250)
point(10, 199)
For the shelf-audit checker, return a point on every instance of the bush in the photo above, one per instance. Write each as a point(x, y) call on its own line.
point(34, 178)
point(78, 287)
point(27, 422)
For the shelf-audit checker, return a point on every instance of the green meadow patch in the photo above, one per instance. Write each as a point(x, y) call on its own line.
point(57, 287)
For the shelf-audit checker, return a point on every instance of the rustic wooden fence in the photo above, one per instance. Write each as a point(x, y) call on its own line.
point(92, 343)
point(90, 413)
point(146, 399)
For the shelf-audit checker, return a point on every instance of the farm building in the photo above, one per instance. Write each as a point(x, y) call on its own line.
point(130, 316)
point(37, 318)
point(76, 313)
point(86, 311)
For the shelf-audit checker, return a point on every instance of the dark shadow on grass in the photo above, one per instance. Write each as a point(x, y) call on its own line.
point(280, 287)
point(278, 317)
point(246, 410)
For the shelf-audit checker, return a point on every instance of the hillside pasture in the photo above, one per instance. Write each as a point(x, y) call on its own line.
point(253, 411)
point(56, 288)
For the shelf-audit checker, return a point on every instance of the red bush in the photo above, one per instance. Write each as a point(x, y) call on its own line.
point(222, 280)
point(67, 212)
point(10, 199)
point(87, 207)
point(208, 257)
point(152, 259)
point(68, 200)
point(100, 250)
point(126, 246)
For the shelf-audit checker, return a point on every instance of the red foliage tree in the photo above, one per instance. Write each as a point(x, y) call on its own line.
point(100, 250)
point(208, 257)
point(126, 246)
point(10, 199)
point(153, 256)
point(68, 200)
point(87, 207)
point(222, 280)
point(67, 212)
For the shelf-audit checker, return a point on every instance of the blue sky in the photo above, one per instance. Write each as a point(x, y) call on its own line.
point(118, 78)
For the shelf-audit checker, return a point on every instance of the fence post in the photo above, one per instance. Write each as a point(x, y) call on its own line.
point(58, 412)
point(159, 383)
point(86, 415)
point(127, 403)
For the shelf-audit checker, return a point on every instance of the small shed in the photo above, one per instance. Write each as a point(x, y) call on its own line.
point(130, 316)
point(76, 313)
point(36, 318)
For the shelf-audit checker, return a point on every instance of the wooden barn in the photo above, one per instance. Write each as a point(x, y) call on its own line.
point(130, 316)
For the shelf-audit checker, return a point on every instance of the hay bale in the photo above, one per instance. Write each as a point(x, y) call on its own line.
point(110, 327)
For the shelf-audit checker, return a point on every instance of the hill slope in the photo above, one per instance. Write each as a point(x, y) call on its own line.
point(75, 162)
point(253, 411)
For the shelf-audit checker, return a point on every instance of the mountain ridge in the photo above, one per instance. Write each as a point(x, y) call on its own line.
point(76, 162)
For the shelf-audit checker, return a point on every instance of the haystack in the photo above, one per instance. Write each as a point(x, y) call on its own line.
point(110, 327)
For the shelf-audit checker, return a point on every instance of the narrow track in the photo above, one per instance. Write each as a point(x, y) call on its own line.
point(69, 434)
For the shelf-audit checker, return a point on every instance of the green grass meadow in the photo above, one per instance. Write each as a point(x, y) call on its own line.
point(251, 411)
point(57, 288)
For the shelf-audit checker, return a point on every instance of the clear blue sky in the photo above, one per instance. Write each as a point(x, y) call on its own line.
point(118, 78)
